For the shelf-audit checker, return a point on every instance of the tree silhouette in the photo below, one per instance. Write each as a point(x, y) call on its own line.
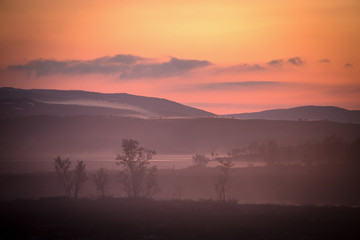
point(137, 178)
point(64, 174)
point(200, 160)
point(221, 179)
point(79, 177)
point(101, 180)
point(72, 180)
point(272, 153)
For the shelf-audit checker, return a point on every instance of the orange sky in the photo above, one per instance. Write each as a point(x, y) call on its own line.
point(215, 55)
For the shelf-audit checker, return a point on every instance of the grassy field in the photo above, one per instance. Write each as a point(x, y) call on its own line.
point(57, 218)
point(260, 185)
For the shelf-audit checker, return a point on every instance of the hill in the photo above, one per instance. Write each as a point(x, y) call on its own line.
point(50, 136)
point(304, 113)
point(20, 102)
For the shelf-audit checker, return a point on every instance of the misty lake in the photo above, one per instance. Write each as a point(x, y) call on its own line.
point(107, 162)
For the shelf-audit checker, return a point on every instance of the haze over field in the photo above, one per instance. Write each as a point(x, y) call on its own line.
point(179, 119)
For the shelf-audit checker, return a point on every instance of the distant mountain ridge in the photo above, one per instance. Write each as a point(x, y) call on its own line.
point(310, 113)
point(19, 102)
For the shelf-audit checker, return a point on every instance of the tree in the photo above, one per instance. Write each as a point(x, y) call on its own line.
point(79, 177)
point(200, 160)
point(151, 183)
point(64, 174)
point(72, 180)
point(137, 178)
point(221, 179)
point(101, 180)
point(272, 153)
point(214, 155)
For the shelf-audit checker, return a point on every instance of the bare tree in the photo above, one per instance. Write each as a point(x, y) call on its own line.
point(137, 178)
point(221, 179)
point(72, 180)
point(200, 160)
point(151, 185)
point(64, 174)
point(214, 155)
point(101, 180)
point(79, 177)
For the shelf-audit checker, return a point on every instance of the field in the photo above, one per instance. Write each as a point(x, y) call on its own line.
point(260, 185)
point(57, 218)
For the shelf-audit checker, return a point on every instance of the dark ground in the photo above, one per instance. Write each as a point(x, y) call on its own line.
point(57, 218)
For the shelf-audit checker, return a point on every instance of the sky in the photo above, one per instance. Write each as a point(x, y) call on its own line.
point(221, 56)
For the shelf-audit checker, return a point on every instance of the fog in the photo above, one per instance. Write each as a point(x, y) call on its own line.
point(96, 176)
point(314, 166)
point(107, 104)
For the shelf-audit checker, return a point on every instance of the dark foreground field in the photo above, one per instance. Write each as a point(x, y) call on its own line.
point(127, 219)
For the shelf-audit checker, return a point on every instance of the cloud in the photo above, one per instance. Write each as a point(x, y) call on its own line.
point(136, 67)
point(247, 67)
point(174, 67)
point(239, 68)
point(342, 90)
point(103, 65)
point(120, 58)
point(276, 63)
point(221, 86)
point(324, 61)
point(128, 66)
point(297, 61)
point(102, 103)
point(348, 65)
point(232, 85)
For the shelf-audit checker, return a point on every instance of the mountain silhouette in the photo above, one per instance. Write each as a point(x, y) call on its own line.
point(19, 102)
point(304, 113)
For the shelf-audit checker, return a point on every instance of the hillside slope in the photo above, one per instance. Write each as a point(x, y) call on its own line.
point(20, 102)
point(304, 113)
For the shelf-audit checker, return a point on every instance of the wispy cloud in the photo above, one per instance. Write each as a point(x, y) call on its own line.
point(345, 89)
point(136, 67)
point(224, 86)
point(297, 61)
point(324, 60)
point(241, 68)
point(276, 62)
point(128, 66)
point(103, 65)
point(174, 67)
point(232, 85)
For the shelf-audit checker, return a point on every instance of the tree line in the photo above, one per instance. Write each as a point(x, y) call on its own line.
point(139, 180)
point(332, 150)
